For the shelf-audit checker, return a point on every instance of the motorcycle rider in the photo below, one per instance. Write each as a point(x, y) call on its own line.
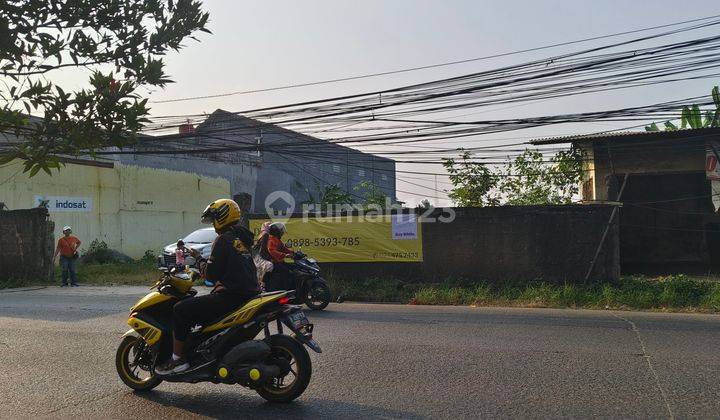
point(280, 277)
point(231, 268)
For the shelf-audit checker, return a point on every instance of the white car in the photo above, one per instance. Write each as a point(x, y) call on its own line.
point(201, 240)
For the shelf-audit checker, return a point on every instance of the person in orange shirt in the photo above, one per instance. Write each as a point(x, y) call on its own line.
point(280, 276)
point(67, 247)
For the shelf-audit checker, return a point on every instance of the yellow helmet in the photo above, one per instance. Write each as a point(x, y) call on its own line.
point(221, 213)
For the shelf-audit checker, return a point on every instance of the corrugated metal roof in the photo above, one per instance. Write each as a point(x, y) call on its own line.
point(629, 135)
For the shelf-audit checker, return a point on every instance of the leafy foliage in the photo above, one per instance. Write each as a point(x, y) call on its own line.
point(330, 194)
point(527, 180)
point(424, 204)
point(531, 181)
point(148, 257)
point(99, 253)
point(373, 196)
point(121, 43)
point(693, 117)
point(473, 184)
point(333, 194)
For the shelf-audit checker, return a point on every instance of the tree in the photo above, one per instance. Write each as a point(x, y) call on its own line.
point(330, 194)
point(473, 184)
point(693, 117)
point(424, 204)
point(333, 194)
point(372, 195)
point(529, 179)
point(121, 43)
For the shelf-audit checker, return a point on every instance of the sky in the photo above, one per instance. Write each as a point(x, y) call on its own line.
point(263, 44)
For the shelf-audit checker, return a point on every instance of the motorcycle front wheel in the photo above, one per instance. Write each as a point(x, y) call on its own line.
point(133, 363)
point(318, 296)
point(292, 384)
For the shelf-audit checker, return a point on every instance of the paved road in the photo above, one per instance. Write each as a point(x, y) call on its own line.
point(57, 350)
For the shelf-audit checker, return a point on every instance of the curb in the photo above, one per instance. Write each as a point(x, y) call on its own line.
point(22, 289)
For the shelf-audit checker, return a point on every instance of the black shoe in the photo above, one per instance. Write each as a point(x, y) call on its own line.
point(172, 366)
point(74, 285)
point(63, 285)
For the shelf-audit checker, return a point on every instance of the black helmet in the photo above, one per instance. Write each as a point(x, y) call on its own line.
point(277, 229)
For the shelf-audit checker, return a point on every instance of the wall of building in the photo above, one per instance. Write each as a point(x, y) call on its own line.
point(507, 244)
point(310, 162)
point(27, 245)
point(241, 176)
point(133, 208)
point(664, 223)
point(301, 176)
point(667, 221)
point(643, 157)
point(290, 161)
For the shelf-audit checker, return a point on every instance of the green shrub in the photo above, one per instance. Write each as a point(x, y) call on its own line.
point(481, 294)
point(679, 291)
point(99, 253)
point(148, 257)
point(711, 300)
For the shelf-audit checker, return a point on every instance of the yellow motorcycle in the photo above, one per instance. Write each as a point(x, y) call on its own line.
point(277, 366)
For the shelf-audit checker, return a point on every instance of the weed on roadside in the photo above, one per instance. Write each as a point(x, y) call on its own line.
point(675, 293)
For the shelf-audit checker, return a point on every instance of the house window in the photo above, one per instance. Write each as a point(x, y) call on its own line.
point(361, 173)
point(336, 169)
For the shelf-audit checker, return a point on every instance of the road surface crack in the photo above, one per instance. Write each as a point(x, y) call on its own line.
point(647, 358)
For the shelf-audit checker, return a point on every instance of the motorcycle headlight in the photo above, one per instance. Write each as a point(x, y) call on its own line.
point(312, 260)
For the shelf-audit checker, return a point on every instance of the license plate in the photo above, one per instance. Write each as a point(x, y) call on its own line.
point(299, 319)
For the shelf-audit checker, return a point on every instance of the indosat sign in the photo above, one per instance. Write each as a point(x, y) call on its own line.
point(64, 204)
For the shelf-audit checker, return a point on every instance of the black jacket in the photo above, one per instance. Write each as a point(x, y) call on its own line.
point(231, 263)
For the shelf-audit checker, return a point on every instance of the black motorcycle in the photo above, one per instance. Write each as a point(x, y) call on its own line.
point(310, 288)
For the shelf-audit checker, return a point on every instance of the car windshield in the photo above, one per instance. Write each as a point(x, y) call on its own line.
point(201, 236)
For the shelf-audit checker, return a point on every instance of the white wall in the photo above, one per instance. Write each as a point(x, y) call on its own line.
point(133, 209)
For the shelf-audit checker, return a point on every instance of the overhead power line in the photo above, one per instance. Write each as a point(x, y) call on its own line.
point(431, 66)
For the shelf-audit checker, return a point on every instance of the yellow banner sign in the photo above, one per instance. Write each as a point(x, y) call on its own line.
point(396, 238)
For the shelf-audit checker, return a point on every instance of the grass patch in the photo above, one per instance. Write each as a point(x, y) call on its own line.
point(133, 274)
point(668, 293)
point(671, 293)
point(372, 289)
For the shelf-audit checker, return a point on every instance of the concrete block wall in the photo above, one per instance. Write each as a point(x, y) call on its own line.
point(508, 244)
point(27, 245)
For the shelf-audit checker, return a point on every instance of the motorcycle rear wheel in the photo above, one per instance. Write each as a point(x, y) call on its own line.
point(130, 372)
point(300, 370)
